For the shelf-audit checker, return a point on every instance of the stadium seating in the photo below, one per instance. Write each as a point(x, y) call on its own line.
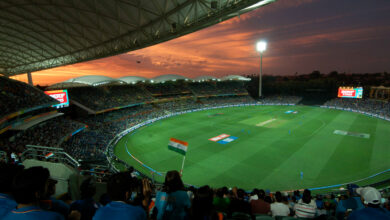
point(21, 95)
point(89, 145)
point(370, 106)
point(61, 174)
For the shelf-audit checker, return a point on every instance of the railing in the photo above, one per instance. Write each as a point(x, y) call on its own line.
point(49, 154)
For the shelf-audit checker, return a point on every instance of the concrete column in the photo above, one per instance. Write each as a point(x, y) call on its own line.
point(29, 76)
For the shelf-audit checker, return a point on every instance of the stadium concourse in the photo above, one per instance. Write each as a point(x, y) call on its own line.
point(28, 119)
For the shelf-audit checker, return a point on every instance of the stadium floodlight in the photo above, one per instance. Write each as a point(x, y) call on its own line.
point(261, 46)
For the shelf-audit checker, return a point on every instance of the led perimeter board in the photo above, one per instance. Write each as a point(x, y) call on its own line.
point(61, 96)
point(350, 92)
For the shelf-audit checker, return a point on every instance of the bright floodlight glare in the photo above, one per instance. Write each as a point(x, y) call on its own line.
point(261, 46)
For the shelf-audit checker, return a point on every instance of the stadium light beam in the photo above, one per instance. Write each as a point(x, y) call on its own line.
point(261, 46)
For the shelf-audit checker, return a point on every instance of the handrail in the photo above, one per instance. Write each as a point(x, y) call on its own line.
point(58, 153)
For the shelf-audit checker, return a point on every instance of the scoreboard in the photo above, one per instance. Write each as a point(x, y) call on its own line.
point(350, 92)
point(61, 96)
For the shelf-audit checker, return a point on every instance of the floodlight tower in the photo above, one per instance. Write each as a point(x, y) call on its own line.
point(261, 46)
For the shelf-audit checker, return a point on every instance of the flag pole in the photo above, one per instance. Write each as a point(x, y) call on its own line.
point(182, 165)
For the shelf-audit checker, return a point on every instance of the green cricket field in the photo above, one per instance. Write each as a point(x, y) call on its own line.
point(268, 147)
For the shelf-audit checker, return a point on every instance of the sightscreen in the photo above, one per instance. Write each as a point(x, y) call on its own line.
point(350, 92)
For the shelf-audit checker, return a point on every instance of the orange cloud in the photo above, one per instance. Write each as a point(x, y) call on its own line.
point(229, 47)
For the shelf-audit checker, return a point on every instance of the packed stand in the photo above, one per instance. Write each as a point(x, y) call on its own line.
point(168, 88)
point(29, 194)
point(111, 96)
point(48, 133)
point(179, 105)
point(380, 108)
point(91, 143)
point(226, 100)
point(15, 96)
point(217, 88)
point(272, 100)
point(106, 97)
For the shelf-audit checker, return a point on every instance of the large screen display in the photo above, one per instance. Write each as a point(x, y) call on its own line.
point(350, 92)
point(61, 96)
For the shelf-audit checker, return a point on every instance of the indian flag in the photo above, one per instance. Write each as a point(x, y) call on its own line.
point(178, 146)
point(47, 156)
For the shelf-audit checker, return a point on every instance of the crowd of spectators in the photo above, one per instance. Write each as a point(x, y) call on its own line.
point(226, 100)
point(28, 194)
point(371, 106)
point(16, 96)
point(218, 87)
point(48, 133)
point(106, 97)
point(280, 100)
point(167, 88)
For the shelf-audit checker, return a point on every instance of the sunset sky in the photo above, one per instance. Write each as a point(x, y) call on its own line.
point(302, 35)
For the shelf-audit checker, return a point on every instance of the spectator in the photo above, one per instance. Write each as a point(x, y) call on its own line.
point(237, 203)
point(49, 203)
point(278, 208)
point(202, 206)
point(254, 194)
point(306, 207)
point(172, 202)
point(387, 204)
point(122, 189)
point(320, 206)
point(29, 187)
point(351, 202)
point(260, 206)
point(371, 198)
point(86, 205)
point(330, 204)
point(221, 200)
point(8, 172)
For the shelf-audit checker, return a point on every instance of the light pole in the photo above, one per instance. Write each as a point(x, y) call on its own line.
point(261, 46)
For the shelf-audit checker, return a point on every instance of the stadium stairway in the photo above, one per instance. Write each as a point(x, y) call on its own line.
point(90, 111)
point(58, 171)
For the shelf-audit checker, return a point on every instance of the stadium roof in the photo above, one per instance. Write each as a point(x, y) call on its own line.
point(97, 80)
point(168, 77)
point(94, 80)
point(41, 34)
point(236, 77)
point(202, 78)
point(133, 79)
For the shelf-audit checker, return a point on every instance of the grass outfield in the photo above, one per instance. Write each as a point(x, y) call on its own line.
point(272, 148)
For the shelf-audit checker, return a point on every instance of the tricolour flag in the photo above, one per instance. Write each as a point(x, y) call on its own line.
point(47, 156)
point(178, 146)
